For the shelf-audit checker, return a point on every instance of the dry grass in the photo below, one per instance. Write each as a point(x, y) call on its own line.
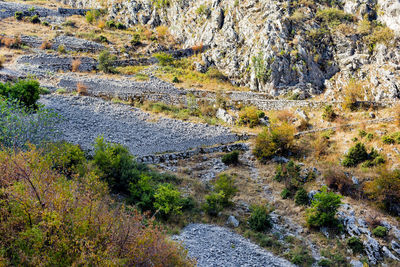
point(10, 42)
point(45, 45)
point(82, 89)
point(198, 48)
point(2, 61)
point(75, 65)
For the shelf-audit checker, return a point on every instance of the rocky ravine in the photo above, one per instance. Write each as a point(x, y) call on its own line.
point(268, 47)
point(86, 118)
point(216, 246)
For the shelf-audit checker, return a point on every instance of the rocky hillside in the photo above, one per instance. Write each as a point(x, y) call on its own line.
point(304, 47)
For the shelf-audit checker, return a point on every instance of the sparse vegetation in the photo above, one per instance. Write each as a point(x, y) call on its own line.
point(231, 158)
point(358, 154)
point(275, 140)
point(250, 116)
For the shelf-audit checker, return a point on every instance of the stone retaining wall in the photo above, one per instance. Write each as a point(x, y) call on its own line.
point(154, 159)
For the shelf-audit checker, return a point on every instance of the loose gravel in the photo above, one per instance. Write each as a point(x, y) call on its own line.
point(217, 246)
point(86, 118)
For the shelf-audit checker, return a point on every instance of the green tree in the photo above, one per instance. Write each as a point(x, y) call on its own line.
point(323, 209)
point(106, 61)
point(167, 200)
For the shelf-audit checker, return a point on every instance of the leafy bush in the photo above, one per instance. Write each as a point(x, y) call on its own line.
point(380, 231)
point(393, 138)
point(226, 184)
point(18, 15)
point(352, 93)
point(328, 113)
point(61, 49)
point(50, 220)
point(213, 203)
point(355, 244)
point(323, 209)
point(167, 200)
point(301, 197)
point(259, 219)
point(224, 190)
point(332, 17)
point(301, 257)
point(275, 140)
point(385, 189)
point(111, 24)
point(250, 116)
point(34, 19)
point(20, 126)
point(286, 193)
point(231, 158)
point(289, 174)
point(164, 59)
point(359, 154)
point(106, 61)
point(136, 39)
point(116, 165)
point(65, 158)
point(120, 26)
point(25, 92)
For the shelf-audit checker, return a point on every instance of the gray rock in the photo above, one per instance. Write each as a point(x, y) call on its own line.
point(395, 246)
point(302, 114)
point(354, 179)
point(223, 115)
point(356, 263)
point(389, 254)
point(372, 249)
point(232, 221)
point(86, 118)
point(216, 246)
point(278, 159)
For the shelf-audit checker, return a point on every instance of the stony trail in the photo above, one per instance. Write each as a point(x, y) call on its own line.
point(217, 246)
point(86, 118)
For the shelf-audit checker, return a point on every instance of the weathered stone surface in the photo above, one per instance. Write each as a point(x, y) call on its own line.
point(216, 246)
point(232, 221)
point(86, 118)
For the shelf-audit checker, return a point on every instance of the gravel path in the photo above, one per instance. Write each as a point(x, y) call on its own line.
point(85, 118)
point(217, 246)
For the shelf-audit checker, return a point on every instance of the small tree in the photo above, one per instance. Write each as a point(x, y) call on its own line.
point(323, 209)
point(275, 140)
point(226, 184)
point(106, 61)
point(167, 200)
point(259, 219)
point(301, 197)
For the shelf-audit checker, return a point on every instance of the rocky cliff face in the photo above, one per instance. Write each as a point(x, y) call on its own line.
point(281, 46)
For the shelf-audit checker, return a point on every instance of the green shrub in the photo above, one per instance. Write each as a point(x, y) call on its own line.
point(164, 59)
point(362, 133)
point(226, 184)
point(175, 80)
point(333, 17)
point(45, 23)
point(20, 126)
point(259, 219)
point(213, 203)
point(34, 19)
point(301, 197)
point(111, 24)
point(370, 136)
point(386, 139)
point(26, 92)
point(92, 15)
point(289, 174)
point(66, 158)
point(275, 140)
point(355, 244)
point(106, 61)
point(18, 15)
point(323, 209)
point(250, 116)
point(285, 194)
point(115, 165)
point(167, 200)
point(359, 154)
point(231, 158)
point(328, 113)
point(61, 49)
point(136, 39)
point(102, 39)
point(380, 231)
point(120, 26)
point(301, 257)
point(325, 263)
